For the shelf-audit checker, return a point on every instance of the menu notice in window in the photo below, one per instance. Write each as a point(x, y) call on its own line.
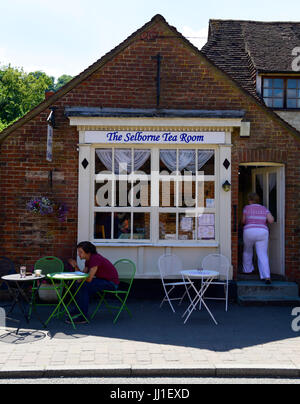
point(206, 226)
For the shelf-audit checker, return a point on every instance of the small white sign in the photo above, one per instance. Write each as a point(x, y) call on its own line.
point(144, 137)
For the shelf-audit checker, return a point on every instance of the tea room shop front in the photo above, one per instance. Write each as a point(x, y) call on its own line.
point(152, 183)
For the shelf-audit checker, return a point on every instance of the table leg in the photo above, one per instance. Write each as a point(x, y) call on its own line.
point(16, 294)
point(60, 299)
point(199, 299)
point(19, 296)
point(72, 299)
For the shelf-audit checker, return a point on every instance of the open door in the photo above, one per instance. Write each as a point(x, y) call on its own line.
point(268, 183)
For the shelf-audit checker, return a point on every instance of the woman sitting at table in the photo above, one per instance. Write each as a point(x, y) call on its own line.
point(102, 275)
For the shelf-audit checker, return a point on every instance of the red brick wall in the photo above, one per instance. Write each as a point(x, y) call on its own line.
point(128, 80)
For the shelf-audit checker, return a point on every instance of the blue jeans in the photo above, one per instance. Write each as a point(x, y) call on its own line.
point(90, 288)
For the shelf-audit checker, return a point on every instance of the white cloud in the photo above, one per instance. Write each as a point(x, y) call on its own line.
point(197, 37)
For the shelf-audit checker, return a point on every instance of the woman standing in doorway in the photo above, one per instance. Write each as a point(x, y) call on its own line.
point(256, 232)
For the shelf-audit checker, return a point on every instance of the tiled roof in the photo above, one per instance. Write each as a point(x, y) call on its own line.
point(214, 52)
point(242, 48)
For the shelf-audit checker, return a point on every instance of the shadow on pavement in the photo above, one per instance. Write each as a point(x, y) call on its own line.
point(240, 327)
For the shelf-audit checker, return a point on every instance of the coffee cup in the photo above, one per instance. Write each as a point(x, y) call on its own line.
point(37, 272)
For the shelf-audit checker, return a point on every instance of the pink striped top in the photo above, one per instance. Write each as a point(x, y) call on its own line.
point(256, 216)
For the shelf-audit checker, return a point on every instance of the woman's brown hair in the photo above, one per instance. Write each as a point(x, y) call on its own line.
point(253, 197)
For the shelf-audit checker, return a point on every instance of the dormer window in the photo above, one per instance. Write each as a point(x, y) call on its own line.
point(281, 92)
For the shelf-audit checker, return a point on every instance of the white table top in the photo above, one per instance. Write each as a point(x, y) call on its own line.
point(68, 275)
point(200, 273)
point(17, 278)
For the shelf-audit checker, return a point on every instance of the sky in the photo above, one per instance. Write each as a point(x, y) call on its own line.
point(66, 36)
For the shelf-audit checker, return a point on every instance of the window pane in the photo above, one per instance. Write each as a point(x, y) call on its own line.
point(292, 103)
point(292, 93)
point(167, 160)
point(206, 194)
point(278, 93)
point(167, 193)
point(123, 161)
point(268, 102)
point(141, 226)
point(187, 199)
point(187, 161)
point(278, 83)
point(167, 226)
point(268, 82)
point(141, 193)
point(298, 106)
point(142, 161)
point(123, 194)
point(124, 225)
point(206, 162)
point(278, 103)
point(102, 225)
point(268, 92)
point(103, 160)
point(206, 227)
point(103, 193)
point(186, 229)
point(292, 83)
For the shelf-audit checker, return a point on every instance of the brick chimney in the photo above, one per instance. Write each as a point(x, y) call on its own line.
point(49, 94)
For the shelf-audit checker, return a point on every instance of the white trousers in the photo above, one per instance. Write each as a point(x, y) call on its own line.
point(259, 238)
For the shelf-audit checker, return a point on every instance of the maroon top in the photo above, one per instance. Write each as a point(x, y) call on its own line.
point(106, 270)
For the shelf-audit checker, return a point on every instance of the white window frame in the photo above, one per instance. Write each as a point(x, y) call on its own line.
point(154, 209)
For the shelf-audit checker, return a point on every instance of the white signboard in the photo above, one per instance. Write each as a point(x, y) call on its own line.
point(145, 137)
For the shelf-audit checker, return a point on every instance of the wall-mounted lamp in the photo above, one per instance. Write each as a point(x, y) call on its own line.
point(51, 117)
point(226, 186)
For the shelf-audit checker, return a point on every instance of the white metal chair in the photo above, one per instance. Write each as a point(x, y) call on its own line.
point(219, 263)
point(169, 267)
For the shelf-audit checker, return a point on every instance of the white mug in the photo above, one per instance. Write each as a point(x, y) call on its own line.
point(37, 272)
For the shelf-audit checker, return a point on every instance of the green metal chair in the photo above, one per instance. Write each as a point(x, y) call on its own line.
point(126, 270)
point(48, 265)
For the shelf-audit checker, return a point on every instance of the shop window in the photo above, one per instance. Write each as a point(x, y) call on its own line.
point(154, 194)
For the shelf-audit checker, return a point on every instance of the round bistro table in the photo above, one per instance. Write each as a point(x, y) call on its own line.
point(206, 278)
point(67, 280)
point(19, 295)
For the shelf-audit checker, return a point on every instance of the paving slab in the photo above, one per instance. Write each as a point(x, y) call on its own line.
point(248, 341)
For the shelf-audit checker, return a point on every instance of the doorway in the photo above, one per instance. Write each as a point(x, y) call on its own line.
point(268, 181)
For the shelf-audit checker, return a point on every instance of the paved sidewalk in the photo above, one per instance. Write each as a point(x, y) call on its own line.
point(248, 341)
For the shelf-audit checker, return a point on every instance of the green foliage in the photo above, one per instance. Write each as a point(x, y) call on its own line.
point(2, 125)
point(20, 92)
point(61, 81)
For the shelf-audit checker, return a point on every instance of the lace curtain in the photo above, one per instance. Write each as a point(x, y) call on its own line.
point(186, 159)
point(123, 159)
point(272, 181)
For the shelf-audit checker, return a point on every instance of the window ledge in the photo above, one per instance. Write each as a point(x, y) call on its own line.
point(162, 244)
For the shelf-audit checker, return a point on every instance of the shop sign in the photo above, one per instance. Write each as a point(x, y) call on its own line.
point(144, 137)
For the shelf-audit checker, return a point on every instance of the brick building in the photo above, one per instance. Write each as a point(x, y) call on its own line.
point(156, 107)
